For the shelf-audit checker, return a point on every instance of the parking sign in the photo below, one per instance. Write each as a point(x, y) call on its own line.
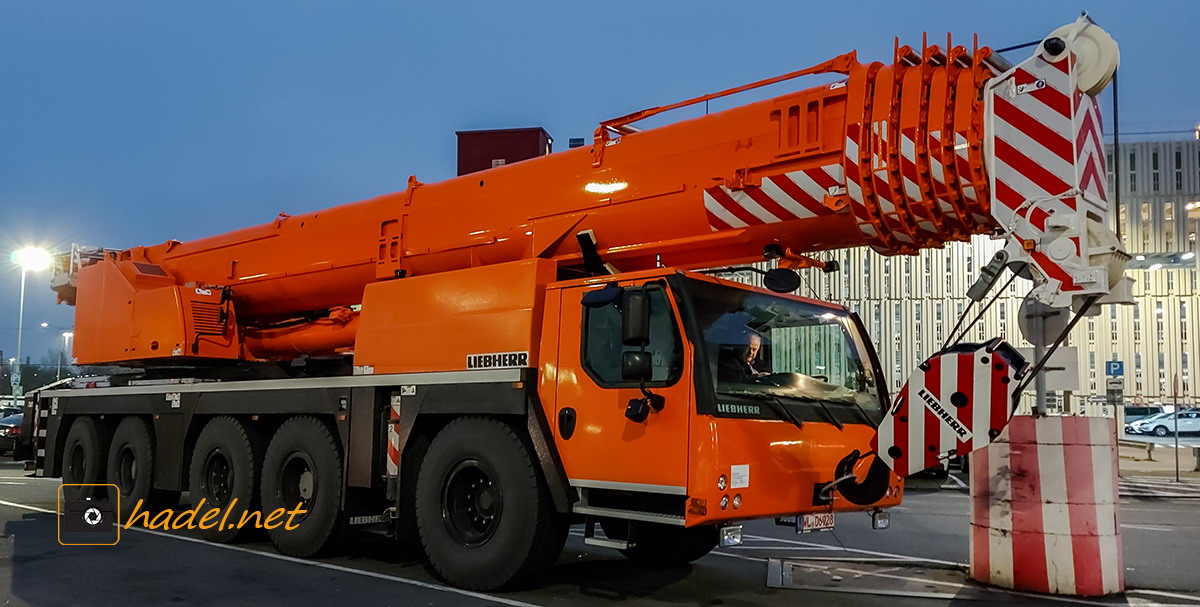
point(1114, 368)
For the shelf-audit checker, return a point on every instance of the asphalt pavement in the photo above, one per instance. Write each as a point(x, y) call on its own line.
point(925, 548)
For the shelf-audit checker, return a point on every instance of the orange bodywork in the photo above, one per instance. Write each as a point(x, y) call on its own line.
point(645, 196)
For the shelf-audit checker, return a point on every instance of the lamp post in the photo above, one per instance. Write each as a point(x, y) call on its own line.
point(29, 259)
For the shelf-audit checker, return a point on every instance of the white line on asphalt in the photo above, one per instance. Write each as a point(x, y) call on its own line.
point(10, 483)
point(757, 559)
point(330, 566)
point(797, 548)
point(957, 484)
point(1146, 527)
point(858, 550)
point(1193, 598)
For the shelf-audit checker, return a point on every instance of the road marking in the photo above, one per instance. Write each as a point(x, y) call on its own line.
point(798, 548)
point(858, 550)
point(10, 483)
point(330, 566)
point(1172, 595)
point(757, 559)
point(957, 484)
point(1146, 527)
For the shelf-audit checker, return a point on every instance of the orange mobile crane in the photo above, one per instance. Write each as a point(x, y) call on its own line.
point(482, 361)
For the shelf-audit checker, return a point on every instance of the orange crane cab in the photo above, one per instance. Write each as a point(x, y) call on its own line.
point(476, 364)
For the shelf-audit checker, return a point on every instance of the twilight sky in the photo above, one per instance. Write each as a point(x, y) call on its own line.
point(126, 123)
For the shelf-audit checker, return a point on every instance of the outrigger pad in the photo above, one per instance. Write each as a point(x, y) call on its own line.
point(954, 403)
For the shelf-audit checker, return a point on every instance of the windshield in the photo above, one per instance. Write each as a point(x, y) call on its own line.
point(765, 347)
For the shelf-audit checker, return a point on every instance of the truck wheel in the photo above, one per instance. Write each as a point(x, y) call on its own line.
point(226, 463)
point(131, 469)
point(664, 545)
point(1160, 431)
point(485, 517)
point(83, 458)
point(303, 467)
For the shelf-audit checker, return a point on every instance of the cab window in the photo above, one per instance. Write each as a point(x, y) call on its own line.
point(602, 347)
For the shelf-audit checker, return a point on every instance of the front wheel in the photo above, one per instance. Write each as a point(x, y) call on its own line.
point(1160, 431)
point(484, 515)
point(84, 453)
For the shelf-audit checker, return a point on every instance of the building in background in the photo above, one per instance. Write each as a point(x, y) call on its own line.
point(909, 304)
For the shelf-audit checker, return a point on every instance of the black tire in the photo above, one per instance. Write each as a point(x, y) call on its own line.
point(83, 458)
point(484, 514)
point(1161, 431)
point(130, 466)
point(303, 466)
point(226, 465)
point(664, 545)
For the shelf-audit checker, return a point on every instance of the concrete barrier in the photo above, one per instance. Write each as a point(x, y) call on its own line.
point(1044, 508)
point(1149, 447)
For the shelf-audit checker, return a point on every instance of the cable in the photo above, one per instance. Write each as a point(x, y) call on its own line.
point(980, 315)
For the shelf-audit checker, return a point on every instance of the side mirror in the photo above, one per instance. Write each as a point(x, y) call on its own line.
point(635, 319)
point(781, 280)
point(636, 366)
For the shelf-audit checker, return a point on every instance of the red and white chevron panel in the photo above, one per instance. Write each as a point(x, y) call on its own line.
point(954, 403)
point(1044, 508)
point(393, 438)
point(1033, 139)
point(1090, 164)
point(795, 195)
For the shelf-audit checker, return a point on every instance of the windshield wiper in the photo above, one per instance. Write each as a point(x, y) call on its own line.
point(829, 416)
point(776, 405)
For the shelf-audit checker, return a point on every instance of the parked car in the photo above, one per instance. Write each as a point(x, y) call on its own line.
point(1142, 426)
point(8, 411)
point(1134, 413)
point(1189, 421)
point(10, 430)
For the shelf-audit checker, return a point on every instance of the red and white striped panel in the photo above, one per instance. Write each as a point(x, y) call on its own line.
point(852, 183)
point(1033, 153)
point(393, 437)
point(883, 190)
point(1044, 514)
point(1090, 164)
point(954, 403)
point(795, 195)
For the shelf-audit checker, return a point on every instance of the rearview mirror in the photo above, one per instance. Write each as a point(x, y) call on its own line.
point(635, 319)
point(636, 366)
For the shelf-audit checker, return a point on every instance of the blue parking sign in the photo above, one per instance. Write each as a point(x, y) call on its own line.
point(1114, 368)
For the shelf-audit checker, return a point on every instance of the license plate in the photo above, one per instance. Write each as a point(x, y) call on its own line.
point(820, 521)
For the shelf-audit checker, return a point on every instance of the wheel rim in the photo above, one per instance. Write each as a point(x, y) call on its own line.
point(298, 482)
point(127, 470)
point(471, 503)
point(218, 477)
point(77, 462)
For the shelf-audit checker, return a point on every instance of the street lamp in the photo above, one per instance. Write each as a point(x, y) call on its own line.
point(30, 259)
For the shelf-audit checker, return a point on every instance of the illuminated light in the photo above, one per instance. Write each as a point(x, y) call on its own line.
point(1140, 258)
point(605, 188)
point(31, 259)
point(1188, 255)
point(45, 324)
point(1157, 266)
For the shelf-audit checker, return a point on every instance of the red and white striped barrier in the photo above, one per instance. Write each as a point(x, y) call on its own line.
point(1044, 508)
